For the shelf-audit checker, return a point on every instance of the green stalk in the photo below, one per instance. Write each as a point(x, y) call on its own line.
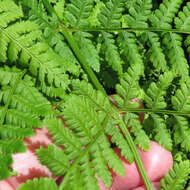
point(149, 29)
point(82, 60)
point(136, 154)
point(168, 112)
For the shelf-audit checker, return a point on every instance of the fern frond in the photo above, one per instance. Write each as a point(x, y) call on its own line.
point(182, 132)
point(78, 11)
point(63, 136)
point(39, 184)
point(138, 14)
point(177, 176)
point(22, 41)
point(9, 131)
point(128, 87)
point(111, 158)
point(155, 52)
point(155, 93)
point(6, 161)
point(24, 104)
point(111, 13)
point(181, 102)
point(155, 99)
point(100, 166)
point(38, 14)
point(129, 48)
point(27, 97)
point(9, 12)
point(162, 134)
point(59, 7)
point(54, 158)
point(19, 118)
point(99, 101)
point(8, 77)
point(111, 52)
point(117, 138)
point(141, 139)
point(25, 33)
point(93, 19)
point(182, 22)
point(176, 55)
point(164, 16)
point(88, 49)
point(88, 175)
point(11, 146)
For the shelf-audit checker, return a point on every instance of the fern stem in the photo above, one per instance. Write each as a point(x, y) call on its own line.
point(83, 61)
point(150, 29)
point(168, 112)
point(136, 154)
point(10, 96)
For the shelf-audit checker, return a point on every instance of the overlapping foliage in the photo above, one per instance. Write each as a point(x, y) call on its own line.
point(51, 50)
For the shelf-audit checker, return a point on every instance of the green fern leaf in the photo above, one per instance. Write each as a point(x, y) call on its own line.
point(19, 118)
point(111, 158)
point(99, 101)
point(100, 166)
point(182, 22)
point(182, 132)
point(155, 93)
point(111, 13)
point(11, 146)
point(93, 19)
point(163, 16)
point(177, 176)
point(20, 42)
point(38, 14)
point(141, 139)
point(88, 49)
point(176, 55)
point(78, 11)
point(162, 135)
point(88, 175)
point(54, 158)
point(111, 52)
point(63, 136)
point(117, 138)
point(128, 88)
point(155, 51)
point(9, 12)
point(138, 13)
point(128, 45)
point(155, 99)
point(6, 161)
point(59, 8)
point(39, 184)
point(9, 131)
point(7, 77)
point(181, 102)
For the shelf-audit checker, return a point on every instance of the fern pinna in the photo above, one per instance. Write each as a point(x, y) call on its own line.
point(55, 53)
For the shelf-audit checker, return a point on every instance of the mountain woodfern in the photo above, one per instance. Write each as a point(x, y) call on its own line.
point(64, 57)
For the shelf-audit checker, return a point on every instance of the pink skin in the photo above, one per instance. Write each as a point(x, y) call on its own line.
point(155, 185)
point(27, 164)
point(156, 162)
